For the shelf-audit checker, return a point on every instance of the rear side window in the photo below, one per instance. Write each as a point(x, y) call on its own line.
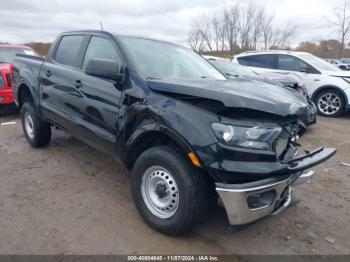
point(290, 63)
point(263, 61)
point(68, 50)
point(100, 48)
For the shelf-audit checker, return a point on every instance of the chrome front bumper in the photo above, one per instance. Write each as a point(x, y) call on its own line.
point(245, 203)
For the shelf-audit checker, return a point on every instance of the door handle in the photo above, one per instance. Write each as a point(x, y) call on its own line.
point(48, 73)
point(78, 84)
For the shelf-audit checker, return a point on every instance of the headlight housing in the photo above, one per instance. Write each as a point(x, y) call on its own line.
point(260, 138)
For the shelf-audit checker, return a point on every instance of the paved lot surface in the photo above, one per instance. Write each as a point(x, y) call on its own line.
point(71, 199)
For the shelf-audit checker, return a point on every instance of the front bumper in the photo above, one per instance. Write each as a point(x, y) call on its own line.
point(248, 202)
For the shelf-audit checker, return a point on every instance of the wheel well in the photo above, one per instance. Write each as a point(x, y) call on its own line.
point(149, 140)
point(24, 95)
point(322, 89)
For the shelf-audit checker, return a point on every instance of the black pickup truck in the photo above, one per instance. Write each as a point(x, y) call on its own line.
point(186, 133)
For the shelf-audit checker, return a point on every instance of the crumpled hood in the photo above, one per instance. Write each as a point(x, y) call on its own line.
point(239, 93)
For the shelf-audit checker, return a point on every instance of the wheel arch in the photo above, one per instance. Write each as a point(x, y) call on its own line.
point(329, 87)
point(151, 135)
point(24, 93)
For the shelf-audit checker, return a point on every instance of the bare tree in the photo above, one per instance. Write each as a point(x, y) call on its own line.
point(219, 31)
point(236, 28)
point(202, 24)
point(231, 19)
point(283, 35)
point(341, 21)
point(267, 31)
point(246, 24)
point(257, 26)
point(195, 40)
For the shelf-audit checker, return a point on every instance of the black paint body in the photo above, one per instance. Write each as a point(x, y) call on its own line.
point(117, 118)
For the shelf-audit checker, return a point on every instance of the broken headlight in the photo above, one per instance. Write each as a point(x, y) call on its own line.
point(260, 138)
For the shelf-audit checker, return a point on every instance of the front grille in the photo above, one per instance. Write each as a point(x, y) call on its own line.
point(281, 146)
point(284, 147)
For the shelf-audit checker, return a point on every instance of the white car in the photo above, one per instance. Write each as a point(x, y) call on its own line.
point(328, 86)
point(338, 63)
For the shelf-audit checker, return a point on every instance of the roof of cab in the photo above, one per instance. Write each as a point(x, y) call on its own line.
point(101, 32)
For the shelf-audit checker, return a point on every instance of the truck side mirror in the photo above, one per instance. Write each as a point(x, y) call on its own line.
point(103, 68)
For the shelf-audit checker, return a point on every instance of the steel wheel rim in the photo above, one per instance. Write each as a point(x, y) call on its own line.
point(29, 125)
point(160, 192)
point(329, 103)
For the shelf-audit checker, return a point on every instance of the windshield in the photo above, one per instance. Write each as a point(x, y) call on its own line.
point(319, 63)
point(8, 54)
point(232, 70)
point(162, 60)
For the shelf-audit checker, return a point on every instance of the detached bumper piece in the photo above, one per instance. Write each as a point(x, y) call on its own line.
point(246, 203)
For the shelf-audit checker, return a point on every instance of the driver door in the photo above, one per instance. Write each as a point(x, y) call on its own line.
point(96, 100)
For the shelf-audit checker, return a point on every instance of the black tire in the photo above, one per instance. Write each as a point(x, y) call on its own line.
point(41, 134)
point(192, 188)
point(337, 113)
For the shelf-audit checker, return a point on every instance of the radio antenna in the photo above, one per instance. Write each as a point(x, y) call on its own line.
point(101, 25)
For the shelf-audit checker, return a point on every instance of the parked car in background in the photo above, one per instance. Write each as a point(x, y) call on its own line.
point(345, 61)
point(339, 64)
point(7, 56)
point(328, 86)
point(182, 129)
point(292, 83)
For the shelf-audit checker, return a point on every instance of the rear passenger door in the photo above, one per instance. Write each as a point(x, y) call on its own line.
point(58, 79)
point(96, 100)
point(260, 63)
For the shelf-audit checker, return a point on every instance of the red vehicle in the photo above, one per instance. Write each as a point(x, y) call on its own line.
point(7, 56)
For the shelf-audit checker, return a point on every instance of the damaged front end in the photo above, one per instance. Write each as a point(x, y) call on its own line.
point(258, 179)
point(254, 161)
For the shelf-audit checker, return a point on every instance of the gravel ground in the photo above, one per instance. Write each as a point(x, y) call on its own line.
point(71, 199)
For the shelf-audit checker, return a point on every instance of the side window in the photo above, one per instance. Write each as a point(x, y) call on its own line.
point(263, 61)
point(68, 50)
point(290, 63)
point(100, 48)
point(245, 60)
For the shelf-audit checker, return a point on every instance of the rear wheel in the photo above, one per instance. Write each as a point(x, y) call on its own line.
point(168, 193)
point(37, 132)
point(330, 103)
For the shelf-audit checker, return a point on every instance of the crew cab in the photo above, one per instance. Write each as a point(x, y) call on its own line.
point(7, 55)
point(185, 133)
point(327, 85)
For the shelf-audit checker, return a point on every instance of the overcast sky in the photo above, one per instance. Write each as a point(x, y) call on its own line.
point(41, 20)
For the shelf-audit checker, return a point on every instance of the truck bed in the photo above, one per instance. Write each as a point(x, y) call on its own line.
point(26, 68)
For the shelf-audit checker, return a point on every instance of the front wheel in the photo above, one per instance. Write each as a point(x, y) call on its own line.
point(37, 132)
point(330, 103)
point(168, 193)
